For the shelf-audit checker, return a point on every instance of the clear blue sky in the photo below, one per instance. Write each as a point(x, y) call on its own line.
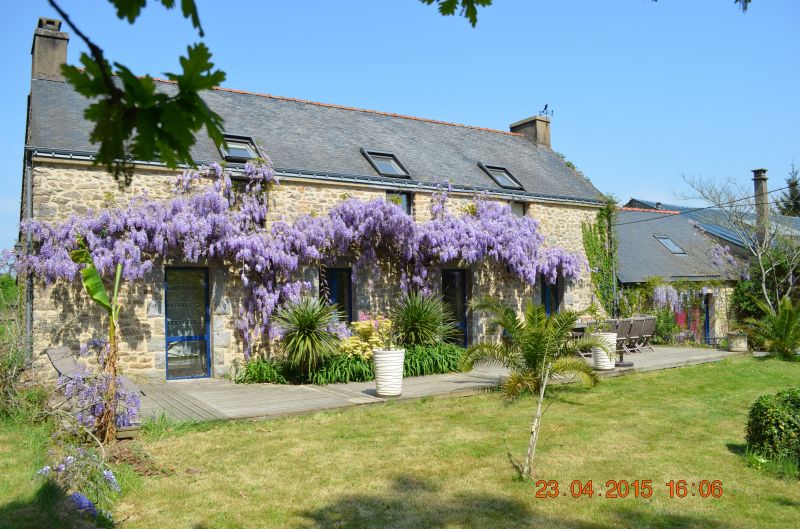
point(643, 92)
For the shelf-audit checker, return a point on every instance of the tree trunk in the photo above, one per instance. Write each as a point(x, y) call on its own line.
point(536, 423)
point(107, 425)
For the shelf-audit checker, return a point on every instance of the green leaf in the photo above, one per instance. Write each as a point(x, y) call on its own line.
point(92, 281)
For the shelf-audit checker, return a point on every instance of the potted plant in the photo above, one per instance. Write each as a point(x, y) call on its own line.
point(737, 338)
point(603, 331)
point(388, 360)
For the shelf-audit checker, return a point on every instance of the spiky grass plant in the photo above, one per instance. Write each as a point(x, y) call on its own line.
point(307, 339)
point(534, 347)
point(780, 330)
point(422, 320)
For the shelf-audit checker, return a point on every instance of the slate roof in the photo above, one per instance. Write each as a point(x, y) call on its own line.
point(641, 255)
point(303, 136)
point(713, 222)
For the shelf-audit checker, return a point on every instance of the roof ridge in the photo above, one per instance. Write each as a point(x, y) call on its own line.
point(353, 109)
point(645, 210)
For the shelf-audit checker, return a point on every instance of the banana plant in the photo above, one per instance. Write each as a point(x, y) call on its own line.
point(93, 283)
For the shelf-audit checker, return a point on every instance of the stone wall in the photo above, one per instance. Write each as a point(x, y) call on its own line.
point(63, 315)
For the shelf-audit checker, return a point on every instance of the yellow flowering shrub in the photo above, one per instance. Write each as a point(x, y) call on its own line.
point(367, 335)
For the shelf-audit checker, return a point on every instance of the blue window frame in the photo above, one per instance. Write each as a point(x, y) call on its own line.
point(338, 283)
point(187, 323)
point(551, 295)
point(455, 294)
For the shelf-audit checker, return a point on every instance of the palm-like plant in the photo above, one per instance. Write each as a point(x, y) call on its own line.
point(779, 330)
point(307, 337)
point(534, 347)
point(422, 320)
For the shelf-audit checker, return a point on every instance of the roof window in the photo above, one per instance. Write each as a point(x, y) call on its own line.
point(670, 245)
point(385, 163)
point(501, 176)
point(238, 148)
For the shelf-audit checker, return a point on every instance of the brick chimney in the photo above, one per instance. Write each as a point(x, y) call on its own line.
point(536, 128)
point(762, 203)
point(49, 50)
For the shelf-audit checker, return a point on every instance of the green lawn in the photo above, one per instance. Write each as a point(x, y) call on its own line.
point(442, 463)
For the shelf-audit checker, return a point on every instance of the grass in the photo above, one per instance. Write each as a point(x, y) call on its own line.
point(442, 463)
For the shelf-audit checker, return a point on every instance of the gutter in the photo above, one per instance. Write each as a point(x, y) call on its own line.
point(374, 181)
point(28, 175)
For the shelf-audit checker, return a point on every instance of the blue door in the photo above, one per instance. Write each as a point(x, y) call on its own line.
point(454, 294)
point(187, 323)
point(707, 323)
point(551, 295)
point(339, 289)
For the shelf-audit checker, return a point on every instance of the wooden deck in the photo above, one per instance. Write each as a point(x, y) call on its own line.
point(214, 399)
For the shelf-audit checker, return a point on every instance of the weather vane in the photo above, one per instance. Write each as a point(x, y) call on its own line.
point(546, 111)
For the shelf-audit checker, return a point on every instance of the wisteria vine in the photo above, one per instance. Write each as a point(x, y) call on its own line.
point(211, 216)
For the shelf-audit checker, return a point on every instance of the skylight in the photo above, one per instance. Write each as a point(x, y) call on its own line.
point(239, 149)
point(501, 176)
point(670, 245)
point(385, 163)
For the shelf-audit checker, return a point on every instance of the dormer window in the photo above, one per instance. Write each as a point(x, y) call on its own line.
point(239, 149)
point(385, 163)
point(670, 245)
point(501, 176)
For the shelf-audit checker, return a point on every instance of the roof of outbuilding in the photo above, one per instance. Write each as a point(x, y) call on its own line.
point(304, 136)
point(716, 223)
point(641, 255)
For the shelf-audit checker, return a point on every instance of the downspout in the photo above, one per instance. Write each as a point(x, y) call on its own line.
point(28, 248)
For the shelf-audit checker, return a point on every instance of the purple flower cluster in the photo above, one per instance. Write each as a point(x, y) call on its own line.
point(665, 296)
point(85, 390)
point(224, 221)
point(83, 504)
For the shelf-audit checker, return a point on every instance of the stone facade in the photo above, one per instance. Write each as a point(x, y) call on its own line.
point(63, 315)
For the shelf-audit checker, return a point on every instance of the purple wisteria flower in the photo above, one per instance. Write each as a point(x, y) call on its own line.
point(665, 296)
point(111, 479)
point(83, 504)
point(208, 217)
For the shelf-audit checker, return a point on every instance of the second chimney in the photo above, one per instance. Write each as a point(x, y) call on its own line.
point(762, 204)
point(535, 128)
point(49, 50)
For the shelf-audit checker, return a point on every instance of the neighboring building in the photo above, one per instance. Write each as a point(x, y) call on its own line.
point(666, 243)
point(321, 153)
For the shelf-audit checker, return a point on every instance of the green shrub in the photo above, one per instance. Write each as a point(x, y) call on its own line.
point(343, 368)
point(261, 370)
point(308, 338)
point(666, 327)
point(421, 320)
point(773, 426)
point(432, 359)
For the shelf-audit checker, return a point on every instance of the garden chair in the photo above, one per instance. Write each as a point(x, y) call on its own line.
point(647, 333)
point(66, 365)
point(634, 336)
point(623, 330)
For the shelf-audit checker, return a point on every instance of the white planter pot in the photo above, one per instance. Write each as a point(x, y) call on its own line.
point(601, 359)
point(737, 342)
point(389, 371)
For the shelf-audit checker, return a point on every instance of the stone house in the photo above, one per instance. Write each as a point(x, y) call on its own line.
point(665, 244)
point(321, 153)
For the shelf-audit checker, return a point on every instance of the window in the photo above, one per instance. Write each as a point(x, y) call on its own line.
point(551, 294)
point(239, 149)
point(518, 208)
point(336, 287)
point(385, 163)
point(404, 200)
point(501, 176)
point(670, 245)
